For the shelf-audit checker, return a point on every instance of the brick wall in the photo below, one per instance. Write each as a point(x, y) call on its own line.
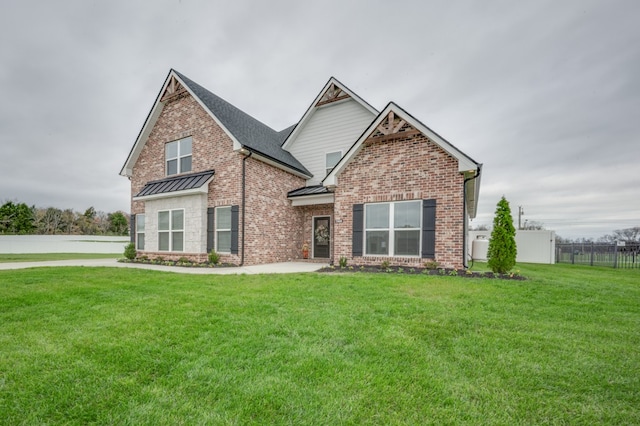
point(412, 168)
point(211, 149)
point(273, 227)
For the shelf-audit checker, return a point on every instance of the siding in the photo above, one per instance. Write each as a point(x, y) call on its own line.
point(334, 127)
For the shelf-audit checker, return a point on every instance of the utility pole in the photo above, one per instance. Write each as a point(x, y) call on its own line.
point(520, 214)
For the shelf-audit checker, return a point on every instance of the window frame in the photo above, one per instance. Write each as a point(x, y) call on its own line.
point(179, 156)
point(140, 218)
point(391, 230)
point(216, 230)
point(326, 161)
point(171, 231)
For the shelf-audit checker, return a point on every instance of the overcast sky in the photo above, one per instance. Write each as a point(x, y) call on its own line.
point(546, 94)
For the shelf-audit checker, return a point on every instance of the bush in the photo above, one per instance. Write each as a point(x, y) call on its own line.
point(502, 245)
point(130, 251)
point(342, 262)
point(214, 258)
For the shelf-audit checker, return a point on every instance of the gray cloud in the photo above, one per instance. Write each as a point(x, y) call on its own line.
point(545, 94)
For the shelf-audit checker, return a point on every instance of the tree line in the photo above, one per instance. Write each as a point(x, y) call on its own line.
point(19, 218)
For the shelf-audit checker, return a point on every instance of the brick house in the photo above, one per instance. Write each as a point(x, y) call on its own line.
point(346, 180)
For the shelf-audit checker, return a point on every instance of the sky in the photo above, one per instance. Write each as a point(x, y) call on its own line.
point(545, 94)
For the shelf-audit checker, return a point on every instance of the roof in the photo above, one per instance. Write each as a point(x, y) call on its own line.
point(244, 130)
point(249, 132)
point(176, 183)
point(308, 190)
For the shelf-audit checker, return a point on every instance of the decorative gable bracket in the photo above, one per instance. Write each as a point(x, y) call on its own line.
point(174, 90)
point(333, 94)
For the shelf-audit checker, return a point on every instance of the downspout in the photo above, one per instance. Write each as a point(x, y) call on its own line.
point(244, 179)
point(464, 216)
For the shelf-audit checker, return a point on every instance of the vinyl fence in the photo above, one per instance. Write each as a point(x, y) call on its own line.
point(599, 254)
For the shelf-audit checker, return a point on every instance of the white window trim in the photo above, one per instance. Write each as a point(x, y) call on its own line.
point(178, 157)
point(138, 232)
point(391, 230)
point(216, 229)
point(326, 155)
point(170, 231)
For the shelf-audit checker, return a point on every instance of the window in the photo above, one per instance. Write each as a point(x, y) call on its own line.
point(223, 229)
point(140, 232)
point(171, 230)
point(332, 158)
point(177, 156)
point(393, 229)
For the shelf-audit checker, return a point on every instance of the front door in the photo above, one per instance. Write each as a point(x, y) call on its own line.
point(321, 237)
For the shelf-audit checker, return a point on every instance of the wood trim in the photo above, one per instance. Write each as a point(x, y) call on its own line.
point(398, 135)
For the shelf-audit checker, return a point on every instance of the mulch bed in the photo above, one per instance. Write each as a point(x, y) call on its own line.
point(420, 271)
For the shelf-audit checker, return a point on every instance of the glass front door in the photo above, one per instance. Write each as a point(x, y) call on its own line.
point(321, 237)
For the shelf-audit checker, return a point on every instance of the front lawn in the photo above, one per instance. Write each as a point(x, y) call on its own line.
point(124, 346)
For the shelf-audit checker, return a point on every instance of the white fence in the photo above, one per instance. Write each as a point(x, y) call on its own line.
point(15, 244)
point(533, 246)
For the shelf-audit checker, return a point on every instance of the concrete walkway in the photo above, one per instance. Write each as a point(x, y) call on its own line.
point(271, 268)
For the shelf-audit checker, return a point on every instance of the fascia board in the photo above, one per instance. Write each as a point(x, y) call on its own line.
point(267, 160)
point(150, 121)
point(308, 200)
point(201, 190)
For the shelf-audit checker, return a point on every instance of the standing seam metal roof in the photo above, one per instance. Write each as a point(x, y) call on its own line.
point(176, 183)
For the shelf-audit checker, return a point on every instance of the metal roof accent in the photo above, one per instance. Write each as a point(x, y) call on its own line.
point(309, 190)
point(176, 183)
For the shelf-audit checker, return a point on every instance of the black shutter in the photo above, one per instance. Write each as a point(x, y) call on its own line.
point(234, 229)
point(132, 228)
point(429, 229)
point(210, 228)
point(358, 229)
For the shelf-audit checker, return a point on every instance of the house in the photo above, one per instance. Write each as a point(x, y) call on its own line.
point(348, 180)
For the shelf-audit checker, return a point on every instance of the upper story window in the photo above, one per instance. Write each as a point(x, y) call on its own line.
point(177, 155)
point(332, 158)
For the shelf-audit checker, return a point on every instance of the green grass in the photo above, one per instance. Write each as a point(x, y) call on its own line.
point(45, 257)
point(124, 346)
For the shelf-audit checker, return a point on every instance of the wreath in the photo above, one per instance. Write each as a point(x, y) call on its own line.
point(322, 234)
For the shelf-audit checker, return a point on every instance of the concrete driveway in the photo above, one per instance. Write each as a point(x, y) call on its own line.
point(271, 268)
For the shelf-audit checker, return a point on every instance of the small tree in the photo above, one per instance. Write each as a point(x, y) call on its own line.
point(502, 245)
point(130, 251)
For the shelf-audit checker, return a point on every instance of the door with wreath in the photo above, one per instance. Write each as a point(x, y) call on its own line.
point(321, 237)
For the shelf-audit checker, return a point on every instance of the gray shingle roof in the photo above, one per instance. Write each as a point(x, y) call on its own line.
point(176, 183)
point(251, 133)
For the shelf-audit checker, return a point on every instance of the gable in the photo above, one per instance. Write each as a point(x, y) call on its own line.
point(394, 123)
point(331, 94)
point(246, 132)
point(332, 128)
